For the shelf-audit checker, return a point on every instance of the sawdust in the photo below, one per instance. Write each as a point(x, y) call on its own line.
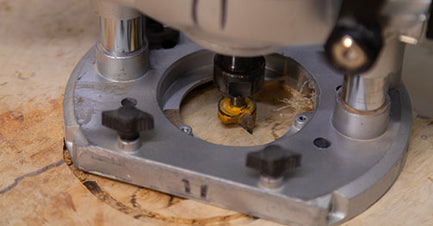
point(300, 101)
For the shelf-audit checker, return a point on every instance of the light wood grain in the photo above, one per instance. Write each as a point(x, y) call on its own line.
point(40, 43)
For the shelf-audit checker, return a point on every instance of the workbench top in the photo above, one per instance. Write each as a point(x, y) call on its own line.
point(40, 44)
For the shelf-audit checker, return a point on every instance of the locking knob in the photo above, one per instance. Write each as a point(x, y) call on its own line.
point(127, 120)
point(356, 40)
point(273, 161)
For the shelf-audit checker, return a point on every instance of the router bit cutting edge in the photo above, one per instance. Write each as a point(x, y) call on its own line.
point(243, 115)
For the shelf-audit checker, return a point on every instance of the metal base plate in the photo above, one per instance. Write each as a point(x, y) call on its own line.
point(334, 184)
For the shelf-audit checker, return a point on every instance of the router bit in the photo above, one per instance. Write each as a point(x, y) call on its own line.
point(238, 78)
point(243, 115)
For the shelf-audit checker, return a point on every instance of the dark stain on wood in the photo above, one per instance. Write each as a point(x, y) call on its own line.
point(133, 199)
point(31, 174)
point(16, 115)
point(93, 187)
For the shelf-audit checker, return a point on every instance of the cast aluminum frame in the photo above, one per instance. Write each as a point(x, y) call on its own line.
point(331, 186)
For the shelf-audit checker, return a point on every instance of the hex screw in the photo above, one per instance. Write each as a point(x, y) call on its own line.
point(186, 129)
point(300, 121)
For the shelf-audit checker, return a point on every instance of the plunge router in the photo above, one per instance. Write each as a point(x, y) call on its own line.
point(122, 102)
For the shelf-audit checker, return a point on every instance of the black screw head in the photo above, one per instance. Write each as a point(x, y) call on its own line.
point(129, 101)
point(127, 120)
point(273, 161)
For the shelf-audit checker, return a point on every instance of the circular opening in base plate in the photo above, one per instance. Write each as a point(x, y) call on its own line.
point(277, 106)
point(187, 96)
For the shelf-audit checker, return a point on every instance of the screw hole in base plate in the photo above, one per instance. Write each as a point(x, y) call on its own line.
point(321, 142)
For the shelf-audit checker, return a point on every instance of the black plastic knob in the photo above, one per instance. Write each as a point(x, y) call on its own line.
point(356, 40)
point(273, 161)
point(365, 46)
point(127, 120)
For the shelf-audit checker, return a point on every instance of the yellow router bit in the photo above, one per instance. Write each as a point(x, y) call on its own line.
point(238, 110)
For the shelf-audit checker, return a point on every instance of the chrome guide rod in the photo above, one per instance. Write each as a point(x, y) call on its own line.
point(363, 106)
point(122, 48)
point(368, 91)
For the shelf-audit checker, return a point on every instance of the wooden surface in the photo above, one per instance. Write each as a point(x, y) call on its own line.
point(40, 43)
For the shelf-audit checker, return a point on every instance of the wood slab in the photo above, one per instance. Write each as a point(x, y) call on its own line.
point(40, 43)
